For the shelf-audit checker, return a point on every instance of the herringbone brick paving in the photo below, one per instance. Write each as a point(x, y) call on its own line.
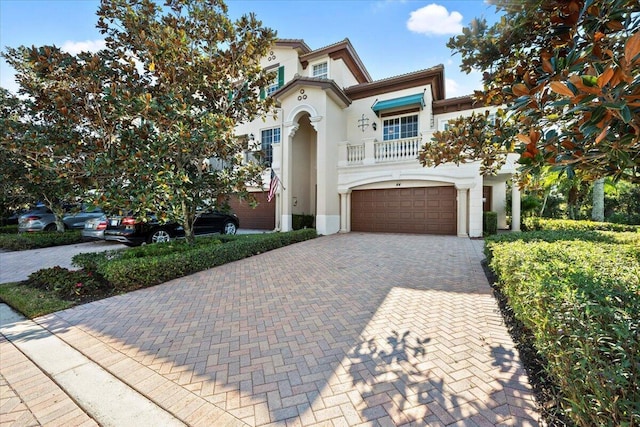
point(354, 329)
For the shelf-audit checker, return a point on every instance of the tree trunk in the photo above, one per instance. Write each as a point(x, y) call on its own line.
point(189, 220)
point(597, 211)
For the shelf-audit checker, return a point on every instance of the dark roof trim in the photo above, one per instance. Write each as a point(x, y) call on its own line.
point(433, 76)
point(297, 44)
point(325, 84)
point(460, 103)
point(342, 50)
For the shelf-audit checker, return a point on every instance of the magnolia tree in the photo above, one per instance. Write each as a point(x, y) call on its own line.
point(569, 74)
point(148, 115)
point(12, 193)
point(44, 144)
point(197, 74)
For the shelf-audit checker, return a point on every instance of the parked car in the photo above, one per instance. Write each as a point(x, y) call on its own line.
point(94, 228)
point(41, 218)
point(126, 229)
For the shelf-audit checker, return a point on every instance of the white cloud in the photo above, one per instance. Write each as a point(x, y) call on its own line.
point(435, 19)
point(452, 88)
point(462, 84)
point(75, 48)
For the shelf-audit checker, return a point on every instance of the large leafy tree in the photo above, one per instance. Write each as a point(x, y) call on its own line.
point(155, 112)
point(44, 143)
point(197, 74)
point(12, 194)
point(568, 72)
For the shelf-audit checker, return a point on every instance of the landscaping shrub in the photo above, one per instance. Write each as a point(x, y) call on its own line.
point(67, 284)
point(23, 241)
point(9, 229)
point(300, 221)
point(128, 273)
point(489, 223)
point(579, 295)
point(537, 223)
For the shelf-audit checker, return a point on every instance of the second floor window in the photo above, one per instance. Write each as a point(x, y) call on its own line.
point(269, 136)
point(400, 127)
point(321, 70)
point(276, 83)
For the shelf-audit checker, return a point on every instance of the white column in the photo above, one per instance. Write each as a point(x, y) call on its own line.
point(345, 211)
point(474, 209)
point(462, 212)
point(498, 201)
point(515, 206)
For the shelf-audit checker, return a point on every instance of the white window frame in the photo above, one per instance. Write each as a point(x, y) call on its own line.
point(267, 150)
point(273, 86)
point(324, 75)
point(399, 118)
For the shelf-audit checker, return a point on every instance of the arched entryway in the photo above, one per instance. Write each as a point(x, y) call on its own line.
point(303, 180)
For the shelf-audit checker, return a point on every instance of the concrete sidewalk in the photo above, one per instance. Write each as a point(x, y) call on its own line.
point(47, 382)
point(355, 329)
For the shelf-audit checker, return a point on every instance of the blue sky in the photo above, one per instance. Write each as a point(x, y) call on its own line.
point(392, 37)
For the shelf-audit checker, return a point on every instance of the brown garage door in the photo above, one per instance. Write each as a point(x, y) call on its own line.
point(424, 210)
point(263, 217)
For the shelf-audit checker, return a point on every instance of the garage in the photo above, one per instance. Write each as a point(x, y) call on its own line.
point(263, 217)
point(419, 210)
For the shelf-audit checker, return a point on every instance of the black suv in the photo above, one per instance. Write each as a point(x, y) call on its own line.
point(126, 229)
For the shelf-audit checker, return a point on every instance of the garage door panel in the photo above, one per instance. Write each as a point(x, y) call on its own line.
point(424, 210)
point(263, 217)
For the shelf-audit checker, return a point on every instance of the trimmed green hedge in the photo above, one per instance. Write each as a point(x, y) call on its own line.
point(578, 292)
point(142, 267)
point(9, 229)
point(42, 239)
point(489, 223)
point(536, 223)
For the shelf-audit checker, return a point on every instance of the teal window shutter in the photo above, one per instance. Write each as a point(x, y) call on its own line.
point(263, 93)
point(280, 76)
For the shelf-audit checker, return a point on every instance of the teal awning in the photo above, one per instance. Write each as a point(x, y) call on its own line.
point(404, 101)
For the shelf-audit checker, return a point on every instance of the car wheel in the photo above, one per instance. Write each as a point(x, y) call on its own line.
point(229, 228)
point(51, 227)
point(159, 236)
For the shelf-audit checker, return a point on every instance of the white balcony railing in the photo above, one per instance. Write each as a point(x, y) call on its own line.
point(372, 152)
point(396, 150)
point(355, 154)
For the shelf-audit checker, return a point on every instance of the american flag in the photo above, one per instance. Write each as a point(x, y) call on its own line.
point(273, 186)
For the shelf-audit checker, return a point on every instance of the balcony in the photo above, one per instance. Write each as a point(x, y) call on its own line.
point(373, 152)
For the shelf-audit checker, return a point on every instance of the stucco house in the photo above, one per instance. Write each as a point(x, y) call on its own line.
point(344, 148)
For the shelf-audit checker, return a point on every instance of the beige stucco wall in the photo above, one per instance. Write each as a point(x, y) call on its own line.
point(283, 56)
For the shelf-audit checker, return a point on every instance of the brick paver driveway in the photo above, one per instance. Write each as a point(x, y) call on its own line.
point(347, 329)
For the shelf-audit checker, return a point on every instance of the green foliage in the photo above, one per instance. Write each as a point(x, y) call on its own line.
point(578, 292)
point(568, 73)
point(23, 241)
point(489, 223)
point(92, 261)
point(139, 120)
point(9, 229)
point(300, 221)
point(622, 204)
point(138, 272)
point(32, 302)
point(535, 223)
point(67, 284)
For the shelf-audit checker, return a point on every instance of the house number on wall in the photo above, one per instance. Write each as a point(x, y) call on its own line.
point(302, 95)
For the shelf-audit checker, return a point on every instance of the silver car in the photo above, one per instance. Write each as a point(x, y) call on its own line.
point(42, 219)
point(94, 228)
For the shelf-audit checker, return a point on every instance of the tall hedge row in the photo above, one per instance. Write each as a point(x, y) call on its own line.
point(578, 292)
